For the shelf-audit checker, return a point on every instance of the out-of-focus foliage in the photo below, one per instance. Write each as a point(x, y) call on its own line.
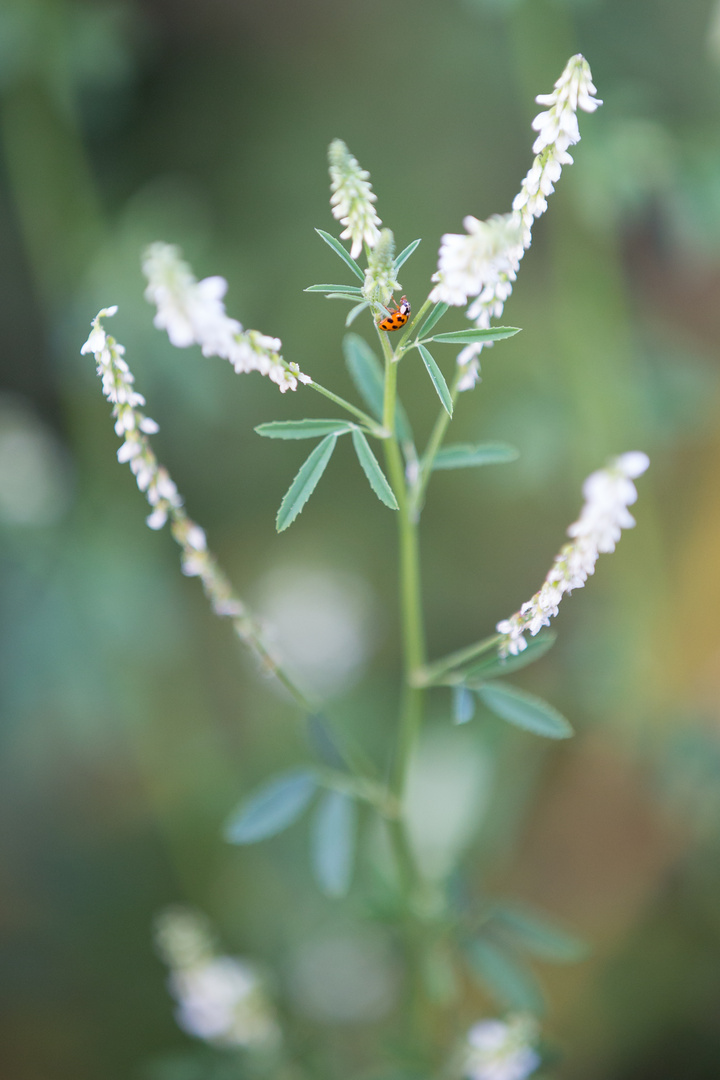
point(131, 726)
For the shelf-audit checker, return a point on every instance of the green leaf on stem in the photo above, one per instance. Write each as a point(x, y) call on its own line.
point(272, 808)
point(373, 471)
point(539, 935)
point(435, 315)
point(493, 665)
point(438, 380)
point(352, 297)
point(463, 705)
point(469, 455)
point(509, 980)
point(466, 337)
point(333, 842)
point(323, 743)
point(340, 250)
point(524, 710)
point(354, 312)
point(303, 429)
point(405, 255)
point(305, 482)
point(367, 373)
point(335, 288)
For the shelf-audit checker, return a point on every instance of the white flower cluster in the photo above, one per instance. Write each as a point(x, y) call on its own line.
point(380, 281)
point(608, 493)
point(352, 198)
point(193, 313)
point(501, 1050)
point(220, 998)
point(152, 478)
point(484, 262)
point(118, 387)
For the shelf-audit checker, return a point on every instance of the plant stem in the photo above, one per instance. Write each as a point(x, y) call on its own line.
point(434, 443)
point(373, 426)
point(411, 326)
point(410, 602)
point(431, 674)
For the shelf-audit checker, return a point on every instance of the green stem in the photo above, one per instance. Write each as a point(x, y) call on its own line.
point(432, 673)
point(373, 426)
point(411, 326)
point(434, 443)
point(410, 602)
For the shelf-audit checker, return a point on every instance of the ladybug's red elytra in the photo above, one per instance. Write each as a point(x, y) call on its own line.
point(398, 317)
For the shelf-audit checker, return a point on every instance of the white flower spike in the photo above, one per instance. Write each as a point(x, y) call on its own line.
point(484, 262)
point(220, 998)
point(608, 493)
point(154, 480)
point(193, 313)
point(352, 198)
point(501, 1050)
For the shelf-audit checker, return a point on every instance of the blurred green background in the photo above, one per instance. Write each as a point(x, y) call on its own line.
point(131, 722)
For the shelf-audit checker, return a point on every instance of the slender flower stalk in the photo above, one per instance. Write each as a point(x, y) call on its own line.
point(193, 313)
point(160, 491)
point(608, 493)
point(352, 198)
point(483, 262)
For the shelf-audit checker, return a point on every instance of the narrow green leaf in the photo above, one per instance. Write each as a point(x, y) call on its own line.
point(333, 842)
point(303, 429)
point(352, 297)
point(367, 373)
point(335, 288)
point(493, 665)
point(340, 250)
point(373, 471)
point(463, 705)
point(305, 482)
point(466, 337)
point(435, 315)
point(509, 980)
point(539, 935)
point(438, 379)
point(404, 255)
point(524, 710)
point(323, 743)
point(468, 455)
point(272, 808)
point(354, 312)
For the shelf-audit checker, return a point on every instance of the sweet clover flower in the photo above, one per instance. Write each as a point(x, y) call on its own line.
point(220, 998)
point(483, 262)
point(152, 478)
point(352, 198)
point(501, 1050)
point(192, 312)
point(608, 493)
point(380, 280)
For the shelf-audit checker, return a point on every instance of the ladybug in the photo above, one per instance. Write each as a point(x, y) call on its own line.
point(398, 317)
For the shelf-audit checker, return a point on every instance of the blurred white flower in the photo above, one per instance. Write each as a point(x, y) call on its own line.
point(501, 1050)
point(352, 198)
point(35, 476)
point(193, 312)
point(220, 998)
point(324, 623)
point(344, 978)
point(608, 493)
point(484, 262)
